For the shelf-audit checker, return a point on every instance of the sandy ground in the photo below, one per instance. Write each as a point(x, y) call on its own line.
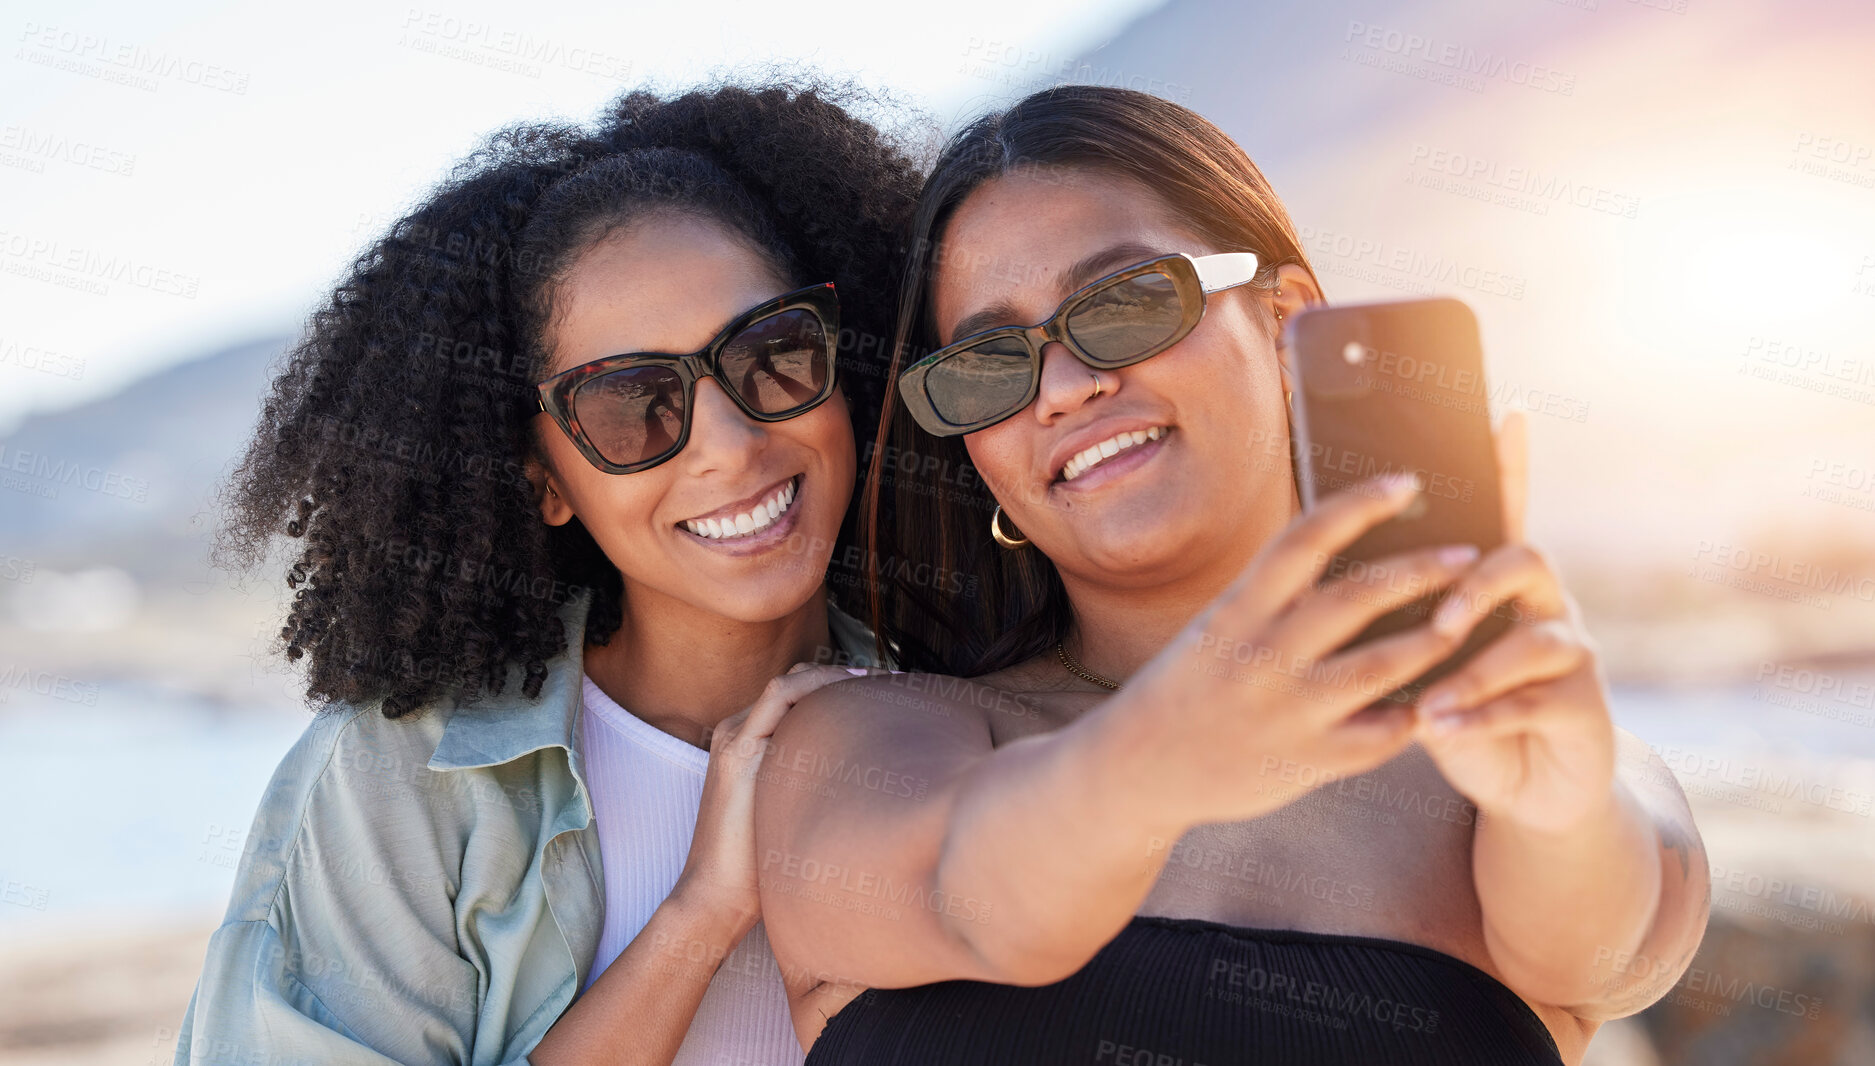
point(90, 1000)
point(93, 995)
point(90, 997)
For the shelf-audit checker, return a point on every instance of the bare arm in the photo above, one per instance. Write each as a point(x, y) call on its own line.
point(1634, 882)
point(1019, 862)
point(639, 1009)
point(1012, 859)
point(1576, 819)
point(637, 1012)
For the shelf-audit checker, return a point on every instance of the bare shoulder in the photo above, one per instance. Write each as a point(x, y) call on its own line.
point(852, 799)
point(887, 713)
point(856, 749)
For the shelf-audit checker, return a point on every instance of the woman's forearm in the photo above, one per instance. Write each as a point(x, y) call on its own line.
point(1057, 838)
point(639, 1009)
point(1558, 905)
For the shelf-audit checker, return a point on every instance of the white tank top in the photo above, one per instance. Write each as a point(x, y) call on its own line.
point(646, 788)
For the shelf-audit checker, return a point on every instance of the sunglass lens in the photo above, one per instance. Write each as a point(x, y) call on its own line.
point(632, 415)
point(981, 383)
point(1127, 318)
point(780, 363)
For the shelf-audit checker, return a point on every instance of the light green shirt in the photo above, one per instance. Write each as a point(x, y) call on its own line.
point(418, 890)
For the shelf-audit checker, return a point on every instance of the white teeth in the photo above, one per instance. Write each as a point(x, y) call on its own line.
point(755, 519)
point(1083, 461)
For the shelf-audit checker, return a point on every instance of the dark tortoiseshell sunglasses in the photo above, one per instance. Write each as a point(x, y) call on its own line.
point(630, 412)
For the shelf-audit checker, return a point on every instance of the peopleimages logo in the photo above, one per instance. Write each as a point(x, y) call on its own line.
point(134, 63)
point(1403, 266)
point(41, 360)
point(1522, 180)
point(48, 472)
point(95, 267)
point(39, 145)
point(505, 47)
point(1780, 570)
point(17, 678)
point(1459, 58)
point(873, 885)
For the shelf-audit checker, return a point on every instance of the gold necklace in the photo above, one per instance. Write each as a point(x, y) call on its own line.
point(1068, 663)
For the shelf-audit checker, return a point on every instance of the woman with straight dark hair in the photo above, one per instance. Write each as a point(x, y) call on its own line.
point(561, 463)
point(1161, 814)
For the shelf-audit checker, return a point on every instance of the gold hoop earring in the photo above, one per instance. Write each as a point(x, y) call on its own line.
point(1004, 539)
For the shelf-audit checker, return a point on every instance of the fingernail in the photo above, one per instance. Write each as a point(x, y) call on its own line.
point(1448, 723)
point(856, 671)
point(1440, 702)
point(1457, 554)
point(1450, 620)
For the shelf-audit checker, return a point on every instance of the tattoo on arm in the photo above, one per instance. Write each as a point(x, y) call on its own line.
point(1675, 838)
point(1633, 992)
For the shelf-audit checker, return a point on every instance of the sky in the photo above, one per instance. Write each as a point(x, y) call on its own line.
point(180, 176)
point(1662, 211)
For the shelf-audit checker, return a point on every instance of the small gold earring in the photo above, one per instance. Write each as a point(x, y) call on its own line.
point(1004, 539)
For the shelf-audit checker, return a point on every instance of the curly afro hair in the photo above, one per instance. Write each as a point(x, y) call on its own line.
point(395, 441)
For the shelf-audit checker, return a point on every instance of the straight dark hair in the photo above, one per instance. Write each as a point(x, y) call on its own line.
point(943, 596)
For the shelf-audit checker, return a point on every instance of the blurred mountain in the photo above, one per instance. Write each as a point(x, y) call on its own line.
point(1427, 146)
point(107, 516)
point(128, 478)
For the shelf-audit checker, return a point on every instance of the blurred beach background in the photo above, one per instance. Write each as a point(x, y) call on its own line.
point(1663, 212)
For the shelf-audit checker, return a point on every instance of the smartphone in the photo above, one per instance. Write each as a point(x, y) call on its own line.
point(1399, 386)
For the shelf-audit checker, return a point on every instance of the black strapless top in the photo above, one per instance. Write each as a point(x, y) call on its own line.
point(1187, 992)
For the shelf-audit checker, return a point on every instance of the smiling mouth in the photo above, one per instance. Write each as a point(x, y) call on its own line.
point(1084, 461)
point(750, 522)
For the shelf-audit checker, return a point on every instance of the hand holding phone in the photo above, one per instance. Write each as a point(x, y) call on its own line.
point(1399, 387)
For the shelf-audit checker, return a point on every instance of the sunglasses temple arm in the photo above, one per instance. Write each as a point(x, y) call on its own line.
point(1225, 270)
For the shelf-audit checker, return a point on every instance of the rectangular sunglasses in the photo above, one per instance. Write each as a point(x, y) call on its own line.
point(1121, 319)
point(630, 412)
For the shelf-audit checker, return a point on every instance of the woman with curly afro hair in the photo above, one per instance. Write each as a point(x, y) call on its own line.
point(560, 466)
